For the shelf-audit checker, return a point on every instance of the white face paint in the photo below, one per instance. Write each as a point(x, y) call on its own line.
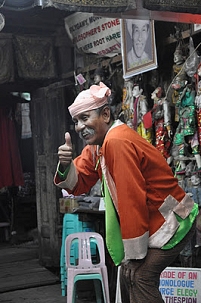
point(83, 134)
point(153, 95)
point(92, 126)
point(136, 91)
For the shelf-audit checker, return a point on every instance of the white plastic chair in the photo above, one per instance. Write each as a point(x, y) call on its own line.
point(86, 268)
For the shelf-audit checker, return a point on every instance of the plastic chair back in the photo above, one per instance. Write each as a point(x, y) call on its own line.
point(86, 242)
point(88, 266)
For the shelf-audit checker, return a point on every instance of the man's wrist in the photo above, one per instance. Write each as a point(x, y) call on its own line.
point(63, 174)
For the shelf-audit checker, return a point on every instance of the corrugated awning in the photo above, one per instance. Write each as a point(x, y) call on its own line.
point(92, 6)
point(159, 13)
point(183, 11)
point(180, 6)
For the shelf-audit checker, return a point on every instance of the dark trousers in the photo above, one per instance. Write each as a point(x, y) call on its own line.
point(139, 279)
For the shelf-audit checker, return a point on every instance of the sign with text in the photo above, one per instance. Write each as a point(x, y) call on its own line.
point(92, 34)
point(181, 285)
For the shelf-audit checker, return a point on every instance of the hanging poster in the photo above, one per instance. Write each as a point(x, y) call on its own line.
point(181, 285)
point(92, 34)
point(138, 46)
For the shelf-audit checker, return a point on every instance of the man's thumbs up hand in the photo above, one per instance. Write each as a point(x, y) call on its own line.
point(68, 139)
point(65, 152)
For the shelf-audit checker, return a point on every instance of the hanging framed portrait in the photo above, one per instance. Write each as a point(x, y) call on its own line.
point(138, 46)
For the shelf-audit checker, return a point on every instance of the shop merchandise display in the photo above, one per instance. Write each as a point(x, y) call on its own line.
point(198, 101)
point(135, 107)
point(174, 125)
point(186, 131)
point(161, 116)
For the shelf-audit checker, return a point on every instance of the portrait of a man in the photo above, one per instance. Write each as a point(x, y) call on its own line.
point(138, 46)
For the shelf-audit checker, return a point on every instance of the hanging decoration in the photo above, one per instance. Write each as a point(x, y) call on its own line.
point(6, 61)
point(35, 57)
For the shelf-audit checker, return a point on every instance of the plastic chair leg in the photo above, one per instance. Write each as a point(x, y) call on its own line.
point(118, 289)
point(70, 289)
point(105, 285)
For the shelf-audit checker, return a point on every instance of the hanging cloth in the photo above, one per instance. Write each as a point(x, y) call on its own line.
point(26, 122)
point(114, 240)
point(11, 173)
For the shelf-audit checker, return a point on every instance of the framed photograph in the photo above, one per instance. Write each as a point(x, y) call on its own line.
point(195, 28)
point(138, 46)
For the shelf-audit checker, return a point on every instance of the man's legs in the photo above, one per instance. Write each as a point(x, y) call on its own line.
point(139, 279)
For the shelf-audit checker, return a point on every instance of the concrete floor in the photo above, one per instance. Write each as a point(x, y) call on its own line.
point(23, 280)
point(43, 294)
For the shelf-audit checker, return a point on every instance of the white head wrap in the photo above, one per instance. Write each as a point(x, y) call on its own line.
point(89, 99)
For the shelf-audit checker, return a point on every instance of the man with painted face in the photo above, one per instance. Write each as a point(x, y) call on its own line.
point(149, 218)
point(139, 33)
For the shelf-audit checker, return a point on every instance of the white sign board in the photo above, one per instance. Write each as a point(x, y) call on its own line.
point(181, 285)
point(92, 34)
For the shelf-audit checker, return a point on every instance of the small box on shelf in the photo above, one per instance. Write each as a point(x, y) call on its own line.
point(68, 205)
